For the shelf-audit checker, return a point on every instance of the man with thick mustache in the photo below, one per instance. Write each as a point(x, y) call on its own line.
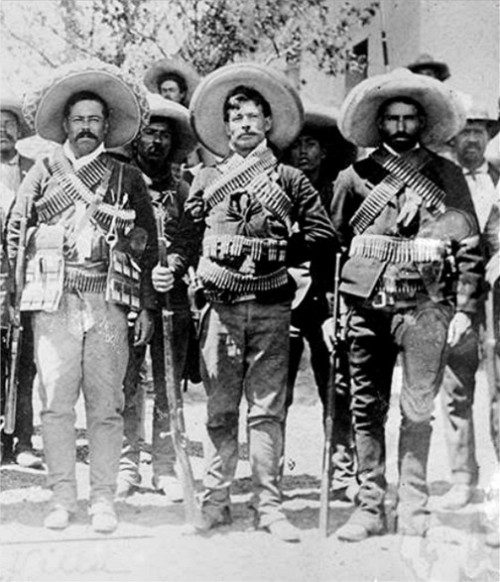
point(410, 282)
point(459, 382)
point(85, 273)
point(13, 169)
point(166, 139)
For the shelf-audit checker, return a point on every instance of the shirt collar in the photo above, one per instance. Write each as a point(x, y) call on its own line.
point(397, 154)
point(83, 160)
point(483, 169)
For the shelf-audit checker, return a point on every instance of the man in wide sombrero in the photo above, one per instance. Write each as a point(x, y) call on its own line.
point(410, 281)
point(89, 213)
point(247, 205)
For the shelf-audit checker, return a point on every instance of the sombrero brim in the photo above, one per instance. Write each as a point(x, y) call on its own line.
point(155, 72)
point(442, 70)
point(125, 112)
point(445, 115)
point(207, 117)
point(15, 107)
point(185, 140)
point(492, 125)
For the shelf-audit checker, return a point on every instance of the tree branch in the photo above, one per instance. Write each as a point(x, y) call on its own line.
point(33, 47)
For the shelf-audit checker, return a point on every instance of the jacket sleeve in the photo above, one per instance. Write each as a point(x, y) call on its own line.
point(141, 203)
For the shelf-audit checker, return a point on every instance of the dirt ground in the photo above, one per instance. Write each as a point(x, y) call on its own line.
point(151, 543)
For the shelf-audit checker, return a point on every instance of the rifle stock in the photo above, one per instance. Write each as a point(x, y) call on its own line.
point(16, 330)
point(175, 403)
point(326, 469)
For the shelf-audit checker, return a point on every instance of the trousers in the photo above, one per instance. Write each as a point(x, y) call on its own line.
point(375, 337)
point(245, 350)
point(163, 454)
point(81, 347)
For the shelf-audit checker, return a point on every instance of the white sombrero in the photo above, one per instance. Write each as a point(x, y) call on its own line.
point(478, 111)
point(208, 100)
point(127, 102)
point(9, 102)
point(184, 140)
point(358, 114)
point(177, 67)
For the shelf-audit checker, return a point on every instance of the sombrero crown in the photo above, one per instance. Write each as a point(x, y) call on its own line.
point(127, 102)
point(9, 102)
point(207, 116)
point(184, 139)
point(445, 115)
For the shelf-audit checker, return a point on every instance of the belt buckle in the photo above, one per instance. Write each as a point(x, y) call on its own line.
point(380, 300)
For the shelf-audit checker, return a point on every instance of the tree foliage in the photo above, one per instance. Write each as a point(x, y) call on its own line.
point(206, 33)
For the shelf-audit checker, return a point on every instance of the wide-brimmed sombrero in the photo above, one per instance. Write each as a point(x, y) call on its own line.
point(425, 61)
point(322, 120)
point(184, 140)
point(126, 100)
point(445, 114)
point(206, 107)
point(176, 66)
point(9, 102)
point(478, 111)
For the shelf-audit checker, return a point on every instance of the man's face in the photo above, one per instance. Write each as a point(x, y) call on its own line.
point(170, 90)
point(400, 126)
point(247, 127)
point(470, 144)
point(86, 127)
point(307, 153)
point(155, 142)
point(9, 131)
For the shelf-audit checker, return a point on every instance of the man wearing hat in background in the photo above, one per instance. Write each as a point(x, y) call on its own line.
point(173, 79)
point(90, 214)
point(406, 219)
point(167, 138)
point(459, 382)
point(426, 65)
point(13, 168)
point(247, 205)
point(321, 152)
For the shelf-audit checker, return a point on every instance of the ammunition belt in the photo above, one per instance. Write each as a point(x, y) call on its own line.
point(401, 174)
point(396, 250)
point(79, 279)
point(222, 278)
point(272, 197)
point(220, 246)
point(237, 178)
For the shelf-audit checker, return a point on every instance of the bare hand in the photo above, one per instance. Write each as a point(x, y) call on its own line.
point(459, 325)
point(328, 335)
point(143, 328)
point(163, 279)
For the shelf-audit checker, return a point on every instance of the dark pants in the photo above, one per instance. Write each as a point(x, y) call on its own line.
point(306, 325)
point(375, 338)
point(23, 431)
point(162, 450)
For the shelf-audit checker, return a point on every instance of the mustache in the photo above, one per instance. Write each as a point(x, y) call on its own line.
point(86, 133)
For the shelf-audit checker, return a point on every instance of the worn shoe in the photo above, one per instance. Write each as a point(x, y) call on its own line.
point(284, 531)
point(169, 486)
point(214, 516)
point(125, 488)
point(103, 518)
point(57, 518)
point(457, 497)
point(29, 460)
point(359, 528)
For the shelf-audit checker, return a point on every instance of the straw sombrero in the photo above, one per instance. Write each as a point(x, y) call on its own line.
point(184, 140)
point(445, 115)
point(160, 68)
point(322, 120)
point(127, 102)
point(478, 111)
point(425, 61)
point(207, 104)
point(9, 102)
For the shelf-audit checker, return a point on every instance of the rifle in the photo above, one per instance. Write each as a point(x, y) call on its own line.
point(490, 339)
point(175, 401)
point(326, 470)
point(16, 328)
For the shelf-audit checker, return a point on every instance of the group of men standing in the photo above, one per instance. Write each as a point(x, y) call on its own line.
point(262, 236)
